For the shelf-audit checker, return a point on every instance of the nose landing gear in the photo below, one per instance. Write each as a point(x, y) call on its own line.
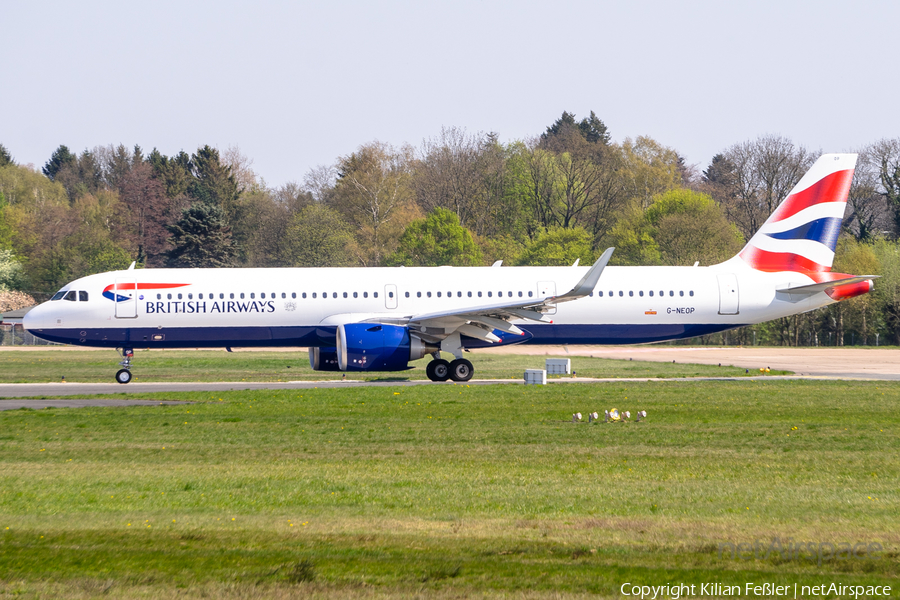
point(123, 375)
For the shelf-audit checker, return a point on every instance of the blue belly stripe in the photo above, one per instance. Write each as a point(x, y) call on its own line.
point(323, 336)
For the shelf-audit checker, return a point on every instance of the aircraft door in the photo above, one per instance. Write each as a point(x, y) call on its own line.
point(547, 288)
point(390, 296)
point(126, 302)
point(728, 294)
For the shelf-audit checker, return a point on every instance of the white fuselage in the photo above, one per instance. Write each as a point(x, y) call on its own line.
point(302, 307)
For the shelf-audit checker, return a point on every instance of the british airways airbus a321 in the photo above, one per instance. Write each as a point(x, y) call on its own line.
point(381, 319)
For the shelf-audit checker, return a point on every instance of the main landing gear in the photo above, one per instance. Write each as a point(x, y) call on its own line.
point(441, 370)
point(123, 375)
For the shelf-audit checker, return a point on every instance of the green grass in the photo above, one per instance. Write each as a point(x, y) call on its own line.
point(446, 491)
point(33, 366)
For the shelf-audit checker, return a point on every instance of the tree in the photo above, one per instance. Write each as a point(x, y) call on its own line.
point(886, 155)
point(680, 227)
point(373, 194)
point(201, 238)
point(436, 240)
point(175, 172)
point(62, 157)
point(558, 246)
point(869, 214)
point(318, 237)
point(764, 171)
point(148, 213)
point(12, 275)
point(5, 157)
point(887, 287)
point(213, 181)
point(591, 129)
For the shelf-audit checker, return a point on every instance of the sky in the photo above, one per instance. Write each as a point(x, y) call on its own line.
point(297, 84)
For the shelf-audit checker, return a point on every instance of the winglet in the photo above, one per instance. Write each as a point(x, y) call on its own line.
point(588, 282)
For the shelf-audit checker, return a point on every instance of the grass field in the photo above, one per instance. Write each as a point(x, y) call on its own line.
point(33, 366)
point(448, 491)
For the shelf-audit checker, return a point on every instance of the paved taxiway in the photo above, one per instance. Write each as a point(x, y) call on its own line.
point(808, 363)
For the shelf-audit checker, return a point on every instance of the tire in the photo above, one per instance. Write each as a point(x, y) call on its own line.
point(438, 370)
point(461, 370)
point(123, 376)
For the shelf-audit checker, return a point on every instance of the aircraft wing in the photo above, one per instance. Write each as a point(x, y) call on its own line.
point(480, 321)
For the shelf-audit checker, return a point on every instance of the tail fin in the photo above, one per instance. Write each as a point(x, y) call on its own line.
point(801, 235)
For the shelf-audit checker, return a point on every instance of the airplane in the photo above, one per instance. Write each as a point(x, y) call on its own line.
point(382, 319)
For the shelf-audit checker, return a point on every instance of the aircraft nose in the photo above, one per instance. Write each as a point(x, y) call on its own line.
point(36, 318)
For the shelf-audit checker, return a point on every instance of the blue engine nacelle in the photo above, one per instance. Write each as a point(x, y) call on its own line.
point(323, 359)
point(374, 347)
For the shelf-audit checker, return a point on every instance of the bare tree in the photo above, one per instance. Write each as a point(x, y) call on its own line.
point(869, 214)
point(242, 169)
point(319, 182)
point(765, 171)
point(885, 155)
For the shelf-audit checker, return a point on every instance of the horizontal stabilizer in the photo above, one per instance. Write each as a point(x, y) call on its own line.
point(815, 288)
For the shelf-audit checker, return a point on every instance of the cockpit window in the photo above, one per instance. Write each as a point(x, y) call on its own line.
point(58, 295)
point(82, 296)
point(70, 296)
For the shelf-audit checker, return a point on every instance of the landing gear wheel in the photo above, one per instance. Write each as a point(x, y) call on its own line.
point(438, 370)
point(461, 370)
point(123, 376)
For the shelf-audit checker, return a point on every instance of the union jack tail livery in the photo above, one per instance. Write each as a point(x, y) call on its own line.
point(802, 233)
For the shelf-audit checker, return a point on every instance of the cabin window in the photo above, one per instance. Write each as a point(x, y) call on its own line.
point(365, 294)
point(390, 294)
point(334, 294)
point(681, 293)
point(641, 293)
point(651, 293)
point(428, 294)
point(621, 293)
point(489, 294)
point(418, 294)
point(222, 296)
point(438, 294)
point(200, 296)
point(262, 296)
point(600, 293)
point(449, 294)
point(314, 295)
point(459, 294)
point(529, 294)
point(374, 294)
point(303, 295)
point(691, 292)
point(406, 294)
point(179, 296)
point(479, 294)
point(630, 293)
point(345, 294)
point(59, 295)
point(82, 296)
point(355, 295)
point(671, 292)
point(168, 296)
point(520, 294)
point(662, 292)
point(190, 296)
point(70, 296)
point(324, 294)
point(159, 296)
point(470, 294)
point(242, 295)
